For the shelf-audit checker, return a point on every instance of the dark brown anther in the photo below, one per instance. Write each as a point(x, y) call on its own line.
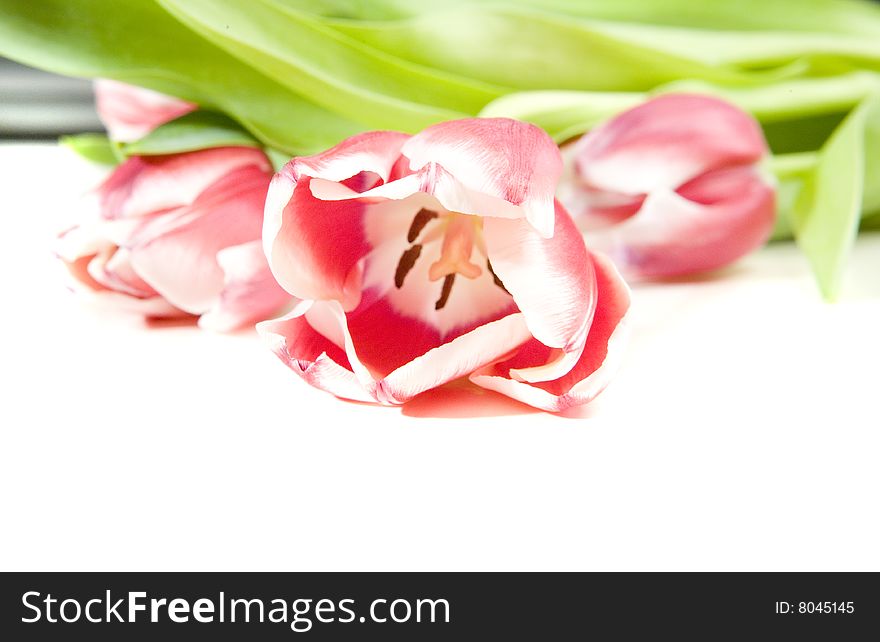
point(407, 261)
point(447, 289)
point(422, 218)
point(495, 276)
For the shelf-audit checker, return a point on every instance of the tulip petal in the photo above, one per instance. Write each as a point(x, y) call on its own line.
point(129, 112)
point(313, 244)
point(314, 341)
point(376, 152)
point(731, 213)
point(551, 280)
point(447, 193)
point(497, 157)
point(665, 142)
point(317, 243)
point(94, 293)
point(145, 185)
point(250, 292)
point(312, 356)
point(594, 369)
point(387, 339)
point(435, 367)
point(178, 255)
point(454, 359)
point(111, 268)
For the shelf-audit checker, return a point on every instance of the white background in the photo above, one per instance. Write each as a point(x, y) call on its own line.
point(742, 433)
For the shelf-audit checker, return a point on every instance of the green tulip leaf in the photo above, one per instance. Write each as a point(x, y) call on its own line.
point(137, 41)
point(332, 69)
point(197, 130)
point(526, 49)
point(825, 216)
point(96, 148)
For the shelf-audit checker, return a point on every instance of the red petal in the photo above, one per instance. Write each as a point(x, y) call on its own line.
point(551, 280)
point(593, 370)
point(312, 356)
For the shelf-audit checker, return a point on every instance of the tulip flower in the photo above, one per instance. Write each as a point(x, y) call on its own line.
point(130, 113)
point(178, 235)
point(427, 258)
point(672, 187)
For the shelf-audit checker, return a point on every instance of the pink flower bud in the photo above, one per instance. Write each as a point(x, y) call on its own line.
point(672, 186)
point(178, 235)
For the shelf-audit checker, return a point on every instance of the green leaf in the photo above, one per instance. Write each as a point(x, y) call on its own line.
point(823, 16)
point(93, 147)
point(330, 68)
point(562, 114)
point(783, 53)
point(779, 102)
point(197, 130)
point(828, 16)
point(790, 99)
point(526, 49)
point(871, 196)
point(826, 214)
point(137, 41)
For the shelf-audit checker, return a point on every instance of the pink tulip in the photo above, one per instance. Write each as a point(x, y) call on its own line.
point(672, 186)
point(179, 235)
point(130, 112)
point(423, 259)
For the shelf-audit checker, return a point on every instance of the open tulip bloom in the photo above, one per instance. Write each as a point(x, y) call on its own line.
point(422, 259)
point(672, 187)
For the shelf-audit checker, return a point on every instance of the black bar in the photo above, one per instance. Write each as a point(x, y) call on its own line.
point(500, 606)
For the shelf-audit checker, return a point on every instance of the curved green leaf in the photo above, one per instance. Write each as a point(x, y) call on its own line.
point(197, 130)
point(139, 42)
point(332, 69)
point(826, 214)
point(562, 114)
point(789, 52)
point(830, 16)
point(93, 147)
point(527, 49)
point(826, 16)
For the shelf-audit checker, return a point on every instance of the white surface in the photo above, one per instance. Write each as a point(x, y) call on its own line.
point(742, 433)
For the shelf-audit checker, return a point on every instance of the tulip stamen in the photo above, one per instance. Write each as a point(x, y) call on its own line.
point(407, 261)
point(445, 292)
point(421, 219)
point(461, 233)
